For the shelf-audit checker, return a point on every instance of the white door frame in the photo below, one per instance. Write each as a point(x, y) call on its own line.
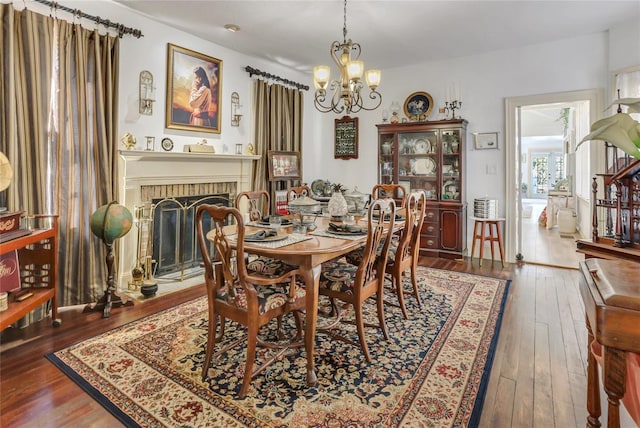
point(512, 150)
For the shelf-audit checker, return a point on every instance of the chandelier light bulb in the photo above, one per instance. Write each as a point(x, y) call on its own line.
point(373, 78)
point(354, 70)
point(321, 75)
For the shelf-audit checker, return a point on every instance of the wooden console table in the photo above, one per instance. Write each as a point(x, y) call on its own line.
point(611, 293)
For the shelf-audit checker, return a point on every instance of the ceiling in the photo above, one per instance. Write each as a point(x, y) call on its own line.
point(392, 33)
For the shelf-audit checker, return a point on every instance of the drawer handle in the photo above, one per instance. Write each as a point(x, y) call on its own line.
point(430, 242)
point(430, 215)
point(430, 229)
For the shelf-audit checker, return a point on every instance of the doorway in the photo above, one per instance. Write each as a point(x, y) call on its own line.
point(541, 166)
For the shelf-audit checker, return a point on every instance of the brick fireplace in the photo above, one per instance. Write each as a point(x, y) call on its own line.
point(146, 176)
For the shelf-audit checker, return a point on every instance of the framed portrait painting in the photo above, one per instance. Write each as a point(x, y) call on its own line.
point(284, 165)
point(194, 85)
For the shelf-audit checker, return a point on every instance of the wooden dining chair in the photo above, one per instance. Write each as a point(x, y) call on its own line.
point(259, 202)
point(234, 293)
point(395, 191)
point(404, 252)
point(341, 280)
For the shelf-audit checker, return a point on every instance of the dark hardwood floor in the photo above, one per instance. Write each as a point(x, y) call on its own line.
point(538, 376)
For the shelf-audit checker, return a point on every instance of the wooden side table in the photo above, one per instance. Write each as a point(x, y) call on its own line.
point(611, 293)
point(487, 229)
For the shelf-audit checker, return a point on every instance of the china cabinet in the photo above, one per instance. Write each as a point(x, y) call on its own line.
point(429, 157)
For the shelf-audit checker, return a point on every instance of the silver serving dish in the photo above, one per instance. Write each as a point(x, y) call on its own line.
point(357, 201)
point(304, 211)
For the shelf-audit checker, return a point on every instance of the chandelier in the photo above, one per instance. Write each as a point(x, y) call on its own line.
point(347, 95)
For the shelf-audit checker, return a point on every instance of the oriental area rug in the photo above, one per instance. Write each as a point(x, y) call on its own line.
point(432, 372)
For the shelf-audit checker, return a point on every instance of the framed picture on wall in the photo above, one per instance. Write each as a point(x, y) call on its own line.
point(486, 140)
point(346, 138)
point(194, 83)
point(284, 165)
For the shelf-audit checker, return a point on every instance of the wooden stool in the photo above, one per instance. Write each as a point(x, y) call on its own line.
point(491, 234)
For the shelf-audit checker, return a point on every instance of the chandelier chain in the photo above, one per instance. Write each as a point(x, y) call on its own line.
point(344, 28)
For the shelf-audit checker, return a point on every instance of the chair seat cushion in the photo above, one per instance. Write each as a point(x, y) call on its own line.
point(268, 267)
point(269, 297)
point(338, 276)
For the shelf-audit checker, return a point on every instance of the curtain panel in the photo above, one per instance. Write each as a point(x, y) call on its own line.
point(278, 126)
point(58, 128)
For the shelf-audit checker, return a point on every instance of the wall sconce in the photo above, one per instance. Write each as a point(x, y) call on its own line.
point(236, 109)
point(147, 94)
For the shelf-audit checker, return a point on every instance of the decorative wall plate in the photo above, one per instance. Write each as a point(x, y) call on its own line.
point(422, 147)
point(167, 144)
point(418, 106)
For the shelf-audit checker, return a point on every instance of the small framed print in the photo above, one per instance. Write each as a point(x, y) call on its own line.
point(284, 165)
point(346, 138)
point(486, 140)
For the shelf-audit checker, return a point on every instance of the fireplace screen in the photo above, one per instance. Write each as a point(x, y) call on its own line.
point(175, 246)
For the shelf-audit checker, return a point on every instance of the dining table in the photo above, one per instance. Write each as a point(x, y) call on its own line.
point(308, 252)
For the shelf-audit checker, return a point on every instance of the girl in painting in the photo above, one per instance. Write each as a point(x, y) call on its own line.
point(200, 98)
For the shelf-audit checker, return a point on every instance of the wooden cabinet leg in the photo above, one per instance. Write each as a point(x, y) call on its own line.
point(593, 385)
point(615, 372)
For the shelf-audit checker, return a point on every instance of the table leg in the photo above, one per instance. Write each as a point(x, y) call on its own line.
point(593, 385)
point(482, 231)
point(492, 238)
point(500, 243)
point(475, 236)
point(311, 276)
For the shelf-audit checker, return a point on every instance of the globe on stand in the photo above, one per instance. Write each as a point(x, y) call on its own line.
point(110, 222)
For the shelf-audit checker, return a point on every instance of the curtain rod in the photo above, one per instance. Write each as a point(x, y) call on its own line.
point(257, 72)
point(121, 29)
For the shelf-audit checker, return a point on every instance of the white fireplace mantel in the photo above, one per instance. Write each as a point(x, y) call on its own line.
point(139, 168)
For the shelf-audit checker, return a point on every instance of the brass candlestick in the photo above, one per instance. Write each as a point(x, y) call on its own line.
point(452, 106)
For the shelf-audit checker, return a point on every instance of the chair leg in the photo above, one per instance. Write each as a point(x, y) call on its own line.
point(296, 316)
point(414, 281)
point(383, 324)
point(211, 342)
point(357, 306)
point(223, 321)
point(397, 279)
point(252, 341)
point(279, 332)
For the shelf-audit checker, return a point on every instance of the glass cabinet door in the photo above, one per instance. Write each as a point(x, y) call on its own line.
point(418, 162)
point(450, 164)
point(386, 153)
